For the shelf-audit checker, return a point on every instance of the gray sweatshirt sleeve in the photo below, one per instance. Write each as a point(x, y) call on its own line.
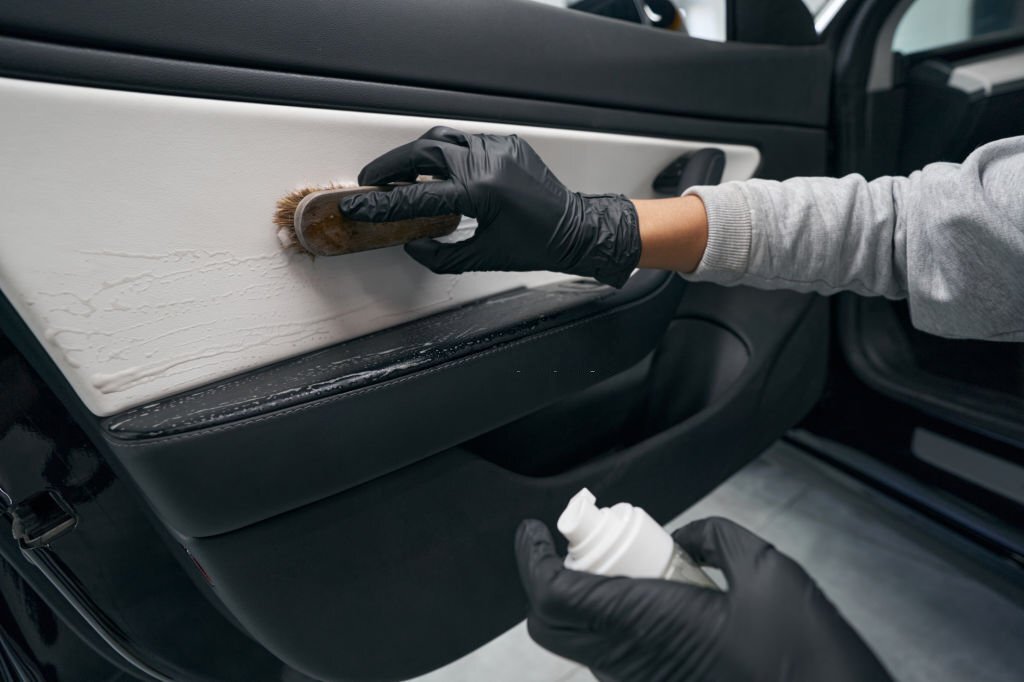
point(949, 238)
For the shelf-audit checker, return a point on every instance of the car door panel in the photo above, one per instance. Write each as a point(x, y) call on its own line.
point(170, 274)
point(348, 493)
point(399, 575)
point(413, 558)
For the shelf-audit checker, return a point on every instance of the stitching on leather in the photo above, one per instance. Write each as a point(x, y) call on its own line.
point(162, 406)
point(158, 440)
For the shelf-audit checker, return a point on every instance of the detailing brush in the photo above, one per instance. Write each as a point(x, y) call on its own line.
point(309, 220)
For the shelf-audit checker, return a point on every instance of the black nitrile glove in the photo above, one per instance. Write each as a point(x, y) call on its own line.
point(527, 219)
point(772, 625)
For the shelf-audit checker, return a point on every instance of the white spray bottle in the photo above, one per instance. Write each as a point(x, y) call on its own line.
point(623, 540)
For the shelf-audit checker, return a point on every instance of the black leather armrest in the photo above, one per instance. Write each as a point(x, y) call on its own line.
point(244, 450)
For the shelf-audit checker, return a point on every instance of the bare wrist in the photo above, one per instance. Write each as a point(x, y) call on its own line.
point(673, 232)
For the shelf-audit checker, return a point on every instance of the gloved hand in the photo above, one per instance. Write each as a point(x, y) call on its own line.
point(772, 624)
point(527, 219)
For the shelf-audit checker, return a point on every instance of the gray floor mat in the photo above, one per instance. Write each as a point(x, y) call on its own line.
point(927, 604)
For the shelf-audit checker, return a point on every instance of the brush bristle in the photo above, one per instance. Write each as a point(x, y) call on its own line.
point(284, 216)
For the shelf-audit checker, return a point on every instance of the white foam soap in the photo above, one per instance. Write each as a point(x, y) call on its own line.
point(623, 540)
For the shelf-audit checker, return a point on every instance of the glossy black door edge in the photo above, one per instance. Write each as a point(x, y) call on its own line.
point(45, 574)
point(15, 329)
point(53, 569)
point(44, 646)
point(870, 358)
point(509, 47)
point(786, 150)
point(17, 663)
point(126, 575)
point(388, 354)
point(112, 476)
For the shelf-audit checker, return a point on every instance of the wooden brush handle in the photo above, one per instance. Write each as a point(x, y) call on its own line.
point(324, 231)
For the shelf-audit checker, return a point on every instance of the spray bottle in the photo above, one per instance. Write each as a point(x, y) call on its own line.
point(623, 540)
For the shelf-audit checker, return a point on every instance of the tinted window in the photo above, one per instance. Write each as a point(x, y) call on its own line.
point(930, 24)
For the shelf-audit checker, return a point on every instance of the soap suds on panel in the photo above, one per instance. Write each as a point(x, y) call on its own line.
point(252, 338)
point(133, 376)
point(187, 314)
point(186, 282)
point(217, 336)
point(143, 314)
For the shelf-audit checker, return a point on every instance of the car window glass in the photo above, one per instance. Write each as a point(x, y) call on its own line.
point(701, 18)
point(931, 24)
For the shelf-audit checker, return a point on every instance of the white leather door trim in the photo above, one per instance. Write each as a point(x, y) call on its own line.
point(137, 241)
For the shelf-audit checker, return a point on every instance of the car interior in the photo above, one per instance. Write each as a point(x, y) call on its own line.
point(221, 462)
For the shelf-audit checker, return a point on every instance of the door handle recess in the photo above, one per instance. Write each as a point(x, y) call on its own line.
point(702, 167)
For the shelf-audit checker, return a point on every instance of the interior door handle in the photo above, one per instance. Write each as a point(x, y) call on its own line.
point(702, 167)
